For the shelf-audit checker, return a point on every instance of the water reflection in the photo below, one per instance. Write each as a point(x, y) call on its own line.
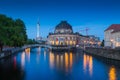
point(61, 60)
point(56, 66)
point(14, 62)
point(88, 64)
point(51, 59)
point(66, 61)
point(38, 54)
point(27, 51)
point(44, 54)
point(112, 73)
point(10, 69)
point(38, 50)
point(22, 60)
point(71, 59)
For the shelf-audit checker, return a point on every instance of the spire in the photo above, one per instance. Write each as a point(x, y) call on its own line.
point(38, 29)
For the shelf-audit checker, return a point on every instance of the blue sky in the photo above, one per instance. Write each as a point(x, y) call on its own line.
point(97, 15)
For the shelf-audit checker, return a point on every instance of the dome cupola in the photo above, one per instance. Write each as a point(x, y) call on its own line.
point(63, 27)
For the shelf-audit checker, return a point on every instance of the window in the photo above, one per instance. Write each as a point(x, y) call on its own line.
point(118, 39)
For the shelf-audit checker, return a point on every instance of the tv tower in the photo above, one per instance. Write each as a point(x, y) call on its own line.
point(38, 30)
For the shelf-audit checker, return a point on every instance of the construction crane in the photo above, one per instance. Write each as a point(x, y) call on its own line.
point(85, 30)
point(51, 29)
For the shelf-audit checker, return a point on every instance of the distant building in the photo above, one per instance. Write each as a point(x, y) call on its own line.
point(63, 36)
point(89, 41)
point(112, 36)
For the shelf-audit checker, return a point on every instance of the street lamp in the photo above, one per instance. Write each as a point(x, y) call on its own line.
point(84, 44)
point(111, 43)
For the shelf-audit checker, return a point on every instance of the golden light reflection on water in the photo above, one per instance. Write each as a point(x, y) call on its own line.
point(112, 73)
point(64, 60)
point(71, 59)
point(61, 60)
point(88, 64)
point(57, 60)
point(51, 59)
point(27, 51)
point(23, 60)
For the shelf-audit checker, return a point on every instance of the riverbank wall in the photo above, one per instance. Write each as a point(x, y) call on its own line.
point(102, 52)
point(11, 51)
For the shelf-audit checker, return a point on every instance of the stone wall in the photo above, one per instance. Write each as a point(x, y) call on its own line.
point(107, 53)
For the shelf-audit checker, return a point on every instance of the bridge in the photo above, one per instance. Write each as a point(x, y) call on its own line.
point(9, 51)
point(36, 45)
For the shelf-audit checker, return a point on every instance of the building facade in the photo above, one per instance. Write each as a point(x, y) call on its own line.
point(89, 41)
point(112, 36)
point(63, 35)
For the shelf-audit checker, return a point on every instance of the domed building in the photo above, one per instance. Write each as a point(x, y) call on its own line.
point(63, 36)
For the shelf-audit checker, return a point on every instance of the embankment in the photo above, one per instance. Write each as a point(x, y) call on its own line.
point(106, 53)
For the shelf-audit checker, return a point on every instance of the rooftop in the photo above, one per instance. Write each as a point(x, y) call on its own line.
point(114, 27)
point(63, 27)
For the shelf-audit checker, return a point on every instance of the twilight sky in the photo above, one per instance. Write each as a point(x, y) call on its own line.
point(97, 15)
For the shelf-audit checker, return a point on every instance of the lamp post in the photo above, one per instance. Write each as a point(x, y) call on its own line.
point(84, 44)
point(111, 43)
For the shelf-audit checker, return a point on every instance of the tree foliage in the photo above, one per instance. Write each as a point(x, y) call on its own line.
point(30, 41)
point(102, 44)
point(12, 32)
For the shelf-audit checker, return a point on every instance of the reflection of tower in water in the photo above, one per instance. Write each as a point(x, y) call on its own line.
point(38, 50)
point(38, 54)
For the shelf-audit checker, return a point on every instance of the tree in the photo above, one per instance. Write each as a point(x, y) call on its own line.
point(102, 44)
point(12, 32)
point(1, 45)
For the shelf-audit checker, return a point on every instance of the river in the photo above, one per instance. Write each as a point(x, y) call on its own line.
point(42, 64)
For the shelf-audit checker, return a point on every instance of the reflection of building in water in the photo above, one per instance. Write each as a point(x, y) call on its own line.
point(71, 59)
point(112, 73)
point(88, 64)
point(62, 60)
point(51, 57)
point(66, 61)
point(27, 51)
point(23, 59)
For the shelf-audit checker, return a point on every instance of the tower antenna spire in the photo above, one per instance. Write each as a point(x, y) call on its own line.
point(38, 30)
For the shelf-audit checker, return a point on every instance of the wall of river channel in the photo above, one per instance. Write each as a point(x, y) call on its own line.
point(106, 53)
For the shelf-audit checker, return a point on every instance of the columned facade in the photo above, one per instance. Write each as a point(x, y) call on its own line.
point(63, 39)
point(63, 35)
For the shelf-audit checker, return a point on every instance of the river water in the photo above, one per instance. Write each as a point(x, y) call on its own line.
point(42, 64)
